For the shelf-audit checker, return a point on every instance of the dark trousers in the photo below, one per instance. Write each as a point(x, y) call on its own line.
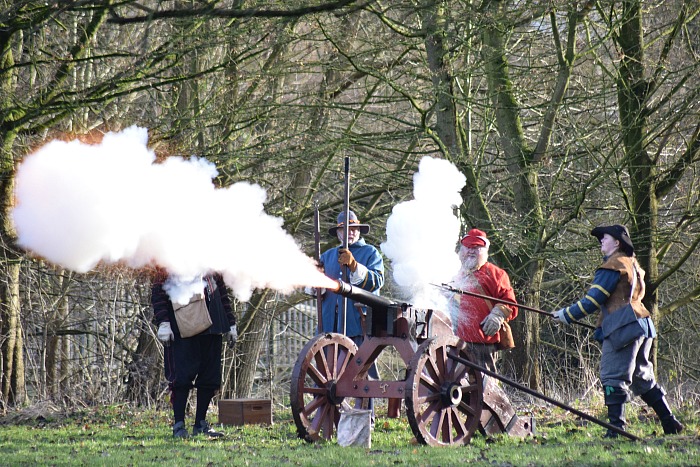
point(629, 368)
point(484, 355)
point(193, 362)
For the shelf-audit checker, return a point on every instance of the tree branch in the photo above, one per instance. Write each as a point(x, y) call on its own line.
point(691, 155)
point(228, 13)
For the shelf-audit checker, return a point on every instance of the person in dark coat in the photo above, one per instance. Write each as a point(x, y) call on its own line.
point(617, 283)
point(193, 362)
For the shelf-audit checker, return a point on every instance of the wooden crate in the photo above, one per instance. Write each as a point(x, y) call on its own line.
point(245, 411)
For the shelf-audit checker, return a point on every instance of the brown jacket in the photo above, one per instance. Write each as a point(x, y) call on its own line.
point(626, 266)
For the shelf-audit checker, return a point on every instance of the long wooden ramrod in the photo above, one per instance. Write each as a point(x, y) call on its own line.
point(346, 233)
point(317, 254)
point(506, 302)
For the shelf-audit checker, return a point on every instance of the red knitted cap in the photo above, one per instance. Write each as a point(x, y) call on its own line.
point(475, 238)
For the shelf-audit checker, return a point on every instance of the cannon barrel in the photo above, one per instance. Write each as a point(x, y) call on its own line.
point(373, 301)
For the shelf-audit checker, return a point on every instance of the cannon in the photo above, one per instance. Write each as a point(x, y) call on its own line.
point(443, 393)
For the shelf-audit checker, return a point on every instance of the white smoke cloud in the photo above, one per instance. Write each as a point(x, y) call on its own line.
point(422, 234)
point(78, 205)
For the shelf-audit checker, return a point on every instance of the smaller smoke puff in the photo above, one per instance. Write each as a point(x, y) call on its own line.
point(422, 233)
point(182, 289)
point(78, 205)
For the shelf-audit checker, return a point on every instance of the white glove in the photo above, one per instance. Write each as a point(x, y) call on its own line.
point(233, 335)
point(492, 323)
point(165, 333)
point(561, 316)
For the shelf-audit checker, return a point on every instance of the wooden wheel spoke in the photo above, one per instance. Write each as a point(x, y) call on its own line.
point(333, 361)
point(458, 423)
point(313, 406)
point(457, 369)
point(321, 364)
point(469, 388)
point(436, 426)
point(428, 383)
point(315, 425)
point(343, 360)
point(429, 412)
point(447, 425)
point(441, 362)
point(466, 408)
point(318, 377)
point(428, 399)
point(315, 391)
point(326, 419)
point(432, 371)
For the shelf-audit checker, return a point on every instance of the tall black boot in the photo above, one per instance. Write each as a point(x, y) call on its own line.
point(656, 400)
point(615, 399)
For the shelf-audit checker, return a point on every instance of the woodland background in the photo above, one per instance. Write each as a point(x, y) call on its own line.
point(562, 115)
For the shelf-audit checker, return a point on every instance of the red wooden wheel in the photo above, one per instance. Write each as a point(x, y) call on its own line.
point(443, 397)
point(315, 404)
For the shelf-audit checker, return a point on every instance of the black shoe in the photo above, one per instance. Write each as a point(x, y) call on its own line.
point(671, 425)
point(179, 430)
point(656, 400)
point(611, 434)
point(204, 429)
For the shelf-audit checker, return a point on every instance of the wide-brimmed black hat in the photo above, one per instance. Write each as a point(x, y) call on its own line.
point(353, 221)
point(618, 232)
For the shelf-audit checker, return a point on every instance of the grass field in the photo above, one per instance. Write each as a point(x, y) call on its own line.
point(120, 435)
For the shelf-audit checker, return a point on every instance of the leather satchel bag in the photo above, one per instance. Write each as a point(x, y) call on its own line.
point(192, 318)
point(506, 336)
point(622, 326)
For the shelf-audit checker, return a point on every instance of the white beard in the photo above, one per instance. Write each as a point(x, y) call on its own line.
point(465, 280)
point(470, 264)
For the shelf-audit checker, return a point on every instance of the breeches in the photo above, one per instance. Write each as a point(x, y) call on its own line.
point(484, 355)
point(194, 362)
point(628, 368)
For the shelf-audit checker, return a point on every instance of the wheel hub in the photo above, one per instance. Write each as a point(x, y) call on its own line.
point(331, 391)
point(451, 394)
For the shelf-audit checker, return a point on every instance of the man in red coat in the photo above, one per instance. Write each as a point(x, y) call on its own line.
point(478, 320)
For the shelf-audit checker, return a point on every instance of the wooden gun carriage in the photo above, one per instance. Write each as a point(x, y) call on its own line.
point(446, 399)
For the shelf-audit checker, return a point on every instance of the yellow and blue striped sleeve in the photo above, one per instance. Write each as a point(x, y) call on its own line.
point(604, 284)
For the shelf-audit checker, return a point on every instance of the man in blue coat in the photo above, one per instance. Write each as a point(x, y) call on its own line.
point(366, 268)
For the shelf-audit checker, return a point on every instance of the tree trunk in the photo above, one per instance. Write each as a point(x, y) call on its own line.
point(253, 328)
point(632, 95)
point(526, 198)
point(12, 378)
point(56, 362)
point(145, 369)
point(13, 382)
